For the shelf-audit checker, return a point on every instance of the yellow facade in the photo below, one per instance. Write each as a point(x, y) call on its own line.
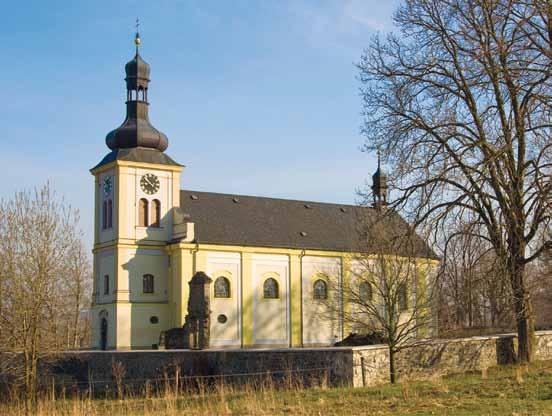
point(126, 252)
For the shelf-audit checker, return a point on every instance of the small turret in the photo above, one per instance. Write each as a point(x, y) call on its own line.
point(379, 186)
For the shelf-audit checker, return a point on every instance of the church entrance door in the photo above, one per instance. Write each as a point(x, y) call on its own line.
point(103, 336)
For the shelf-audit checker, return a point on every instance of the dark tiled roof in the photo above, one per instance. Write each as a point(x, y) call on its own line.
point(137, 154)
point(270, 222)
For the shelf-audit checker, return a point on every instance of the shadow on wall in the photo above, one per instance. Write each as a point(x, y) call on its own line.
point(148, 313)
point(322, 309)
point(141, 322)
point(459, 355)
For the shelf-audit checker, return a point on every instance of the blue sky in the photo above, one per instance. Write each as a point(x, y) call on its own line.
point(256, 97)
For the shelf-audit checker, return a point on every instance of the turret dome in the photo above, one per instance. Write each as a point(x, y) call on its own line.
point(137, 73)
point(136, 130)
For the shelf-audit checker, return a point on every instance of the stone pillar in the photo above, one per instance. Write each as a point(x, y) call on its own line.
point(198, 318)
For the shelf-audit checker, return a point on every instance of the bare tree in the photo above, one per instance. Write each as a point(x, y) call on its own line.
point(76, 290)
point(39, 260)
point(459, 102)
point(540, 280)
point(391, 289)
point(474, 292)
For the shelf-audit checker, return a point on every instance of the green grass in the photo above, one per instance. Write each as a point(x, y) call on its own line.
point(504, 391)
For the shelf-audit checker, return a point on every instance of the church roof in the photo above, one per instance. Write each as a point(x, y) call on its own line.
point(270, 222)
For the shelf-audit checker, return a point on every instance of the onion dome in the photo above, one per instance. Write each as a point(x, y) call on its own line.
point(136, 130)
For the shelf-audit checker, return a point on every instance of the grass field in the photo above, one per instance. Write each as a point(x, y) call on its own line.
point(500, 391)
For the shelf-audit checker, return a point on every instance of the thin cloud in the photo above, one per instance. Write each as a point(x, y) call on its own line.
point(362, 13)
point(342, 25)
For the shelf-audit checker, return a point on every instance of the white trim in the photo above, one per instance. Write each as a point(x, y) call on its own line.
point(216, 261)
point(281, 269)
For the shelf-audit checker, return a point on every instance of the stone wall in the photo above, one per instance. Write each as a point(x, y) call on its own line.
point(370, 365)
point(543, 350)
point(434, 358)
point(338, 366)
point(302, 366)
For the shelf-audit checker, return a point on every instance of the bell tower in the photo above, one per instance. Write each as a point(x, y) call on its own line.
point(137, 191)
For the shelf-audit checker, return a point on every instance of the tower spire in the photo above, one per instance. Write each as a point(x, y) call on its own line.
point(379, 185)
point(136, 130)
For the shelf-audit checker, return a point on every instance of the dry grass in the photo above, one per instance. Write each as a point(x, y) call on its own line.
point(497, 391)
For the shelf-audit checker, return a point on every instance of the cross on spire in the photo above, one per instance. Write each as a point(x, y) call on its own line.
point(137, 40)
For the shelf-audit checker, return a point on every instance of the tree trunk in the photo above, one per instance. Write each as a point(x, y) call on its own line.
point(392, 370)
point(523, 311)
point(30, 383)
point(470, 300)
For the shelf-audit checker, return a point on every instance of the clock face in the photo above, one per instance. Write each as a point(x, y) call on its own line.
point(107, 185)
point(149, 183)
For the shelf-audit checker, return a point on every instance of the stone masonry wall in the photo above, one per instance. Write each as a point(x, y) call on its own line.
point(349, 366)
point(305, 366)
point(447, 356)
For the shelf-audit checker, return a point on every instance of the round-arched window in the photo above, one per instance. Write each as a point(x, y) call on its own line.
point(222, 287)
point(147, 283)
point(365, 291)
point(402, 297)
point(270, 289)
point(320, 289)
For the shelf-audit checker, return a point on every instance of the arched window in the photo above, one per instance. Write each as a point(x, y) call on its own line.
point(402, 297)
point(109, 214)
point(147, 283)
point(104, 215)
point(143, 212)
point(320, 289)
point(103, 332)
point(270, 289)
point(222, 287)
point(106, 284)
point(155, 213)
point(365, 291)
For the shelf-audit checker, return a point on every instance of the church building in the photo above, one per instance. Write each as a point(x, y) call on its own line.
point(269, 259)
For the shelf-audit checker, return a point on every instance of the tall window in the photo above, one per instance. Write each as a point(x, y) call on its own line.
point(155, 213)
point(147, 283)
point(320, 289)
point(270, 289)
point(104, 215)
point(365, 291)
point(106, 284)
point(143, 212)
point(402, 297)
point(109, 213)
point(222, 287)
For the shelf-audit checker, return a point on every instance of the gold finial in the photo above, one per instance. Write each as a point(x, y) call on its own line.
point(137, 40)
